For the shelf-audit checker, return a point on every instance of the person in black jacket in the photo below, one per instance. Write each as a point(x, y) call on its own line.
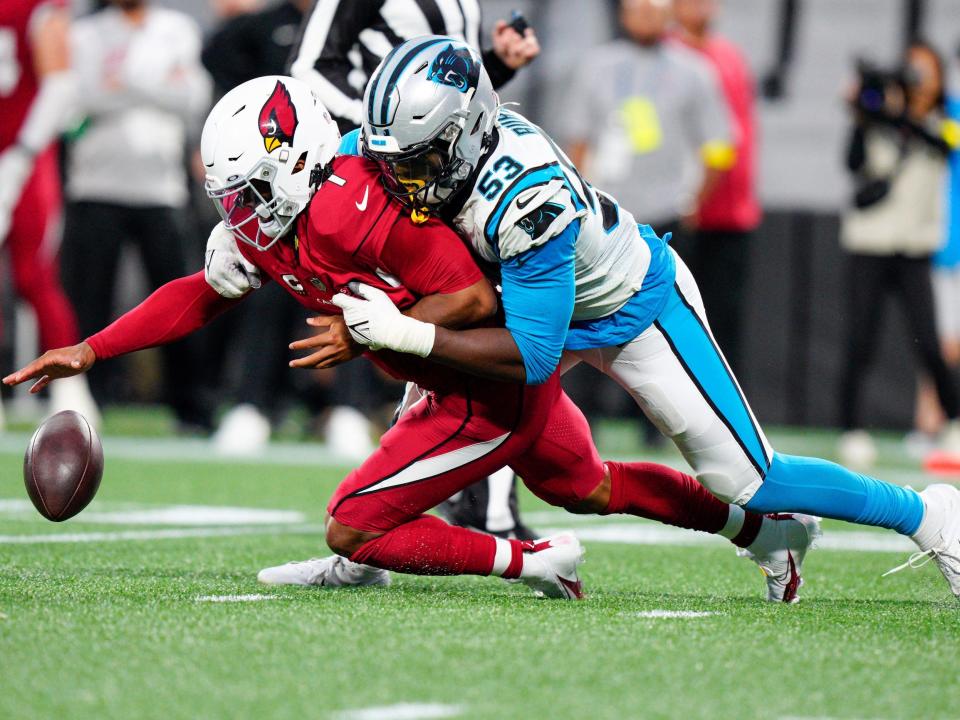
point(253, 44)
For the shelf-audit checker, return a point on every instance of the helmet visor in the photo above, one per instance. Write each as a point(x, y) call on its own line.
point(414, 176)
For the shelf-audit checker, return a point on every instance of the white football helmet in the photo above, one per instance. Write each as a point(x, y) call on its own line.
point(264, 147)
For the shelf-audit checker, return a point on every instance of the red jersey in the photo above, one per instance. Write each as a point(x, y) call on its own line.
point(733, 204)
point(351, 231)
point(18, 80)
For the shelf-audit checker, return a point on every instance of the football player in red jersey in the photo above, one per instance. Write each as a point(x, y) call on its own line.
point(36, 94)
point(317, 225)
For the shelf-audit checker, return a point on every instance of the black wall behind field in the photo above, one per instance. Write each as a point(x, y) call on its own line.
point(795, 329)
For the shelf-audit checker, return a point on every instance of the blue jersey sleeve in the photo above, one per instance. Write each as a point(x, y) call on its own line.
point(538, 294)
point(350, 143)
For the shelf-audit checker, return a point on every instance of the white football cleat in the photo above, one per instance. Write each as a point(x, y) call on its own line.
point(330, 571)
point(779, 551)
point(950, 438)
point(243, 432)
point(939, 535)
point(348, 433)
point(857, 450)
point(552, 563)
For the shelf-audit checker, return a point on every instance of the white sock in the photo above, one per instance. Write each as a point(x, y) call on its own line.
point(734, 524)
point(531, 565)
point(928, 534)
point(499, 484)
point(501, 561)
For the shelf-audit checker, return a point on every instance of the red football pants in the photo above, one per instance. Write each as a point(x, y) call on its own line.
point(446, 442)
point(34, 245)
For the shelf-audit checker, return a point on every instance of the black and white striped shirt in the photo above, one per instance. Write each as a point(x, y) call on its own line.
point(344, 40)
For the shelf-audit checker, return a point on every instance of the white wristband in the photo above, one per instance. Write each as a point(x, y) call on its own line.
point(413, 336)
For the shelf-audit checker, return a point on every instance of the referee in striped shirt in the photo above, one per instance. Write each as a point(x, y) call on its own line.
point(344, 41)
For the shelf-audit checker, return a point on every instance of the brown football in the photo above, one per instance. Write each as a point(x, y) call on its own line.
point(63, 466)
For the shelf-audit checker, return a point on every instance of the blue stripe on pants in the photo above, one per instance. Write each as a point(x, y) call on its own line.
point(703, 363)
point(790, 484)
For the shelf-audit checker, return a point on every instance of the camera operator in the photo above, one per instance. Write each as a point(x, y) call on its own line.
point(897, 155)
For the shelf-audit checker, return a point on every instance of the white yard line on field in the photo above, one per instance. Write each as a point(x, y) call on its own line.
point(195, 450)
point(172, 534)
point(628, 533)
point(819, 717)
point(401, 711)
point(658, 614)
point(195, 521)
point(108, 513)
point(652, 534)
point(235, 598)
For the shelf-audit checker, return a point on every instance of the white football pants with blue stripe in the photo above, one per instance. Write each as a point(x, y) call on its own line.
point(679, 378)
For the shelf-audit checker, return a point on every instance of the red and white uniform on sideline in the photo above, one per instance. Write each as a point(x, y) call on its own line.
point(34, 236)
point(465, 428)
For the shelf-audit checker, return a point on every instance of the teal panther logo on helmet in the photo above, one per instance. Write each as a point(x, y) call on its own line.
point(456, 67)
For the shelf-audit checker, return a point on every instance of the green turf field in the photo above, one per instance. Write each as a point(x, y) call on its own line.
point(111, 615)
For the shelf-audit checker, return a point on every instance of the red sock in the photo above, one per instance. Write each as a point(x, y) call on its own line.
point(660, 493)
point(429, 546)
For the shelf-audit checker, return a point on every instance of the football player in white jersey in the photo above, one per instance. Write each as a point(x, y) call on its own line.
point(580, 278)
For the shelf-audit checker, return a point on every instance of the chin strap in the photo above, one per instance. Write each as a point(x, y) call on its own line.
point(319, 174)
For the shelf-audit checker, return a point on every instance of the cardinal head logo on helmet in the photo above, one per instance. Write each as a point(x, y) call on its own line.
point(278, 119)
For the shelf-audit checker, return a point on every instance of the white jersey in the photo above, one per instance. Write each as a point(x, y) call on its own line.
point(527, 191)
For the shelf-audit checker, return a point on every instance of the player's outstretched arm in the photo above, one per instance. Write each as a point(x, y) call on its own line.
point(54, 364)
point(172, 312)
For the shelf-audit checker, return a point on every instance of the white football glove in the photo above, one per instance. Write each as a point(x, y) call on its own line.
point(374, 321)
point(16, 164)
point(227, 271)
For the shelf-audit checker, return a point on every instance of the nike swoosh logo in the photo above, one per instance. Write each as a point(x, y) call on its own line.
point(793, 584)
point(362, 205)
point(573, 588)
point(359, 329)
point(522, 205)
